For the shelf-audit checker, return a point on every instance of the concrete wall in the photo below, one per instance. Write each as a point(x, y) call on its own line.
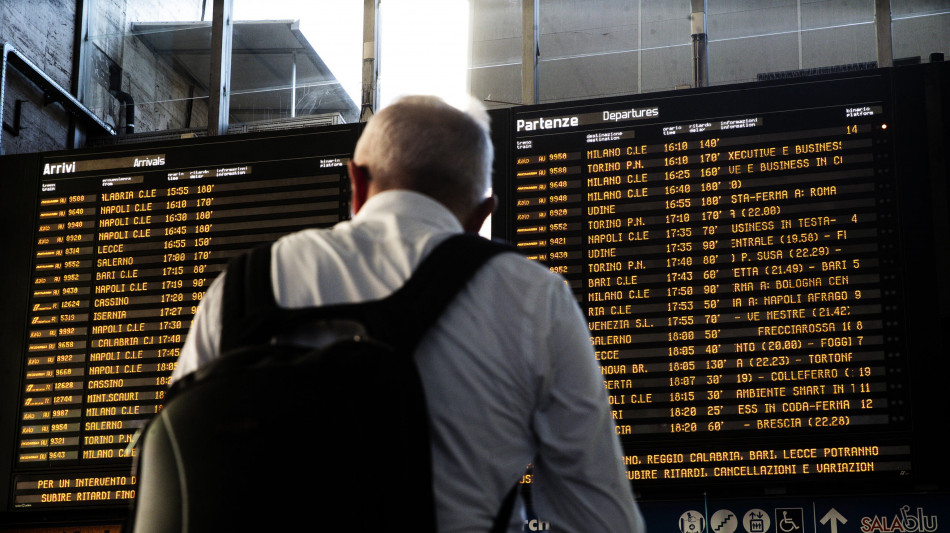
point(916, 35)
point(43, 31)
point(495, 74)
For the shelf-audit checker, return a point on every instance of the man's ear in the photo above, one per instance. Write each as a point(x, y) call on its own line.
point(479, 214)
point(359, 185)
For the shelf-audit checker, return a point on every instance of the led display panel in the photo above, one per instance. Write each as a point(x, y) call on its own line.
point(738, 254)
point(125, 242)
point(762, 267)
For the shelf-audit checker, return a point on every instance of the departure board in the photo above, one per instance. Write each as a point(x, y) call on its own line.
point(125, 244)
point(737, 255)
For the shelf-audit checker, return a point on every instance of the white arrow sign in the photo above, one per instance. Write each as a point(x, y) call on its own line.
point(834, 517)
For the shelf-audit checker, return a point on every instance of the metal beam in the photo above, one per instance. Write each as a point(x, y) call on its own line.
point(698, 30)
point(530, 51)
point(222, 29)
point(293, 86)
point(801, 58)
point(370, 87)
point(639, 46)
point(236, 52)
point(882, 24)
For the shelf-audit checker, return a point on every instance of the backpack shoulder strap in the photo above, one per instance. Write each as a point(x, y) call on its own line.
point(407, 314)
point(248, 298)
point(250, 314)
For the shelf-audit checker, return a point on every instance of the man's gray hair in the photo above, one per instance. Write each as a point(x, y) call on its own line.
point(423, 144)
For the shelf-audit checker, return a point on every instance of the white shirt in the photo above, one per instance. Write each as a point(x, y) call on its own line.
point(508, 370)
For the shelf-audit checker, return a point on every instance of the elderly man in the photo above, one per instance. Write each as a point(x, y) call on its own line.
point(508, 370)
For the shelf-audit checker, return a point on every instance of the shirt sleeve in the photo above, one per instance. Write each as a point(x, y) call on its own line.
point(203, 342)
point(581, 479)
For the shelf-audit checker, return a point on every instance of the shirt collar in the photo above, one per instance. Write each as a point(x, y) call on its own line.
point(411, 205)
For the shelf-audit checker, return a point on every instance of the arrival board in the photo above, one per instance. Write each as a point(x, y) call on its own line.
point(736, 255)
point(125, 245)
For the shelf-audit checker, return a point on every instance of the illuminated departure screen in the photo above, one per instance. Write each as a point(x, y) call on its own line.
point(126, 242)
point(736, 254)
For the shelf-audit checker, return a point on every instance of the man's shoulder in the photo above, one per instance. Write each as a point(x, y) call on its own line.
point(304, 237)
point(304, 248)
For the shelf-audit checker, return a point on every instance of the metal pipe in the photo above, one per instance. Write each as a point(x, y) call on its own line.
point(115, 89)
point(51, 89)
point(293, 85)
point(126, 99)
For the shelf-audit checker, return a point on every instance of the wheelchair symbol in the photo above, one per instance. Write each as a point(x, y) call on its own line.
point(789, 520)
point(786, 524)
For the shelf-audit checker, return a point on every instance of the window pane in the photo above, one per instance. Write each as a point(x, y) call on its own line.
point(745, 40)
point(495, 75)
point(588, 52)
point(667, 52)
point(620, 47)
point(290, 59)
point(920, 28)
point(838, 33)
point(781, 35)
point(139, 64)
point(296, 59)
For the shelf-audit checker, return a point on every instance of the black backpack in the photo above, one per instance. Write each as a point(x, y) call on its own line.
point(253, 440)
